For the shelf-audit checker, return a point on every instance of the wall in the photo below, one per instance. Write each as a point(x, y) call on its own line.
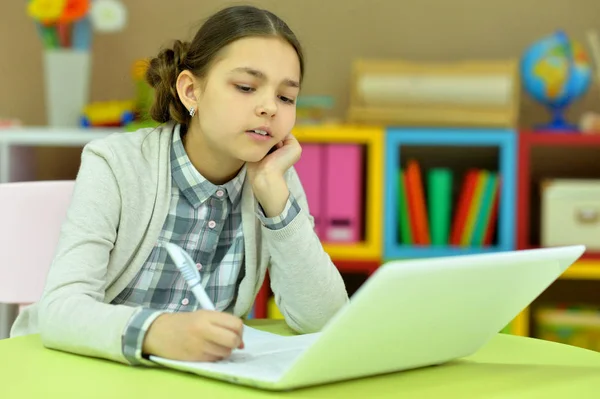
point(333, 32)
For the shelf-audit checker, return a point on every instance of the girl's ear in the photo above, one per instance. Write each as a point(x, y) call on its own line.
point(188, 89)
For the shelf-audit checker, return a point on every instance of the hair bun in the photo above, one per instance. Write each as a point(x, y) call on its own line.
point(162, 75)
point(180, 50)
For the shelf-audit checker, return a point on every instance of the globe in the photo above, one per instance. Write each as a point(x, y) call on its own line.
point(556, 71)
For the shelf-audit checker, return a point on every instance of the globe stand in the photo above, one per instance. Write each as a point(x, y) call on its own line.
point(558, 124)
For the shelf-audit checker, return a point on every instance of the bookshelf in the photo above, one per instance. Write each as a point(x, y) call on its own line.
point(452, 149)
point(552, 155)
point(585, 269)
point(457, 150)
point(521, 158)
point(372, 138)
point(543, 155)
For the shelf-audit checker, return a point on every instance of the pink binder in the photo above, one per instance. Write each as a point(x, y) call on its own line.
point(310, 171)
point(344, 193)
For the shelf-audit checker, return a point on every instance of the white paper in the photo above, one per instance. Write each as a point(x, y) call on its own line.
point(254, 335)
point(265, 357)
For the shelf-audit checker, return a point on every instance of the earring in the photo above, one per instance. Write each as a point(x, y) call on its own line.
point(192, 112)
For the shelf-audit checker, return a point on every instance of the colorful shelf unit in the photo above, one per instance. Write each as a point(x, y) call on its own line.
point(520, 159)
point(585, 269)
point(520, 324)
point(543, 155)
point(549, 155)
point(337, 149)
point(454, 142)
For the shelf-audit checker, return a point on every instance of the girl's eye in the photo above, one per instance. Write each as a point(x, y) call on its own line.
point(286, 100)
point(244, 89)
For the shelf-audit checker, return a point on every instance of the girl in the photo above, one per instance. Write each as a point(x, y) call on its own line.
point(215, 178)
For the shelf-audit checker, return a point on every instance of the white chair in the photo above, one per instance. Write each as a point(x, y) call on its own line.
point(31, 215)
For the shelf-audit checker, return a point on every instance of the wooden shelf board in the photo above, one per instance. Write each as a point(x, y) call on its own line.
point(559, 139)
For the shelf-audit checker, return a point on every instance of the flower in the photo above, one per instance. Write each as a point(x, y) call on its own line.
point(46, 11)
point(74, 10)
point(108, 15)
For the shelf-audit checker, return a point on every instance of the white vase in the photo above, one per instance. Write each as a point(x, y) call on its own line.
point(67, 79)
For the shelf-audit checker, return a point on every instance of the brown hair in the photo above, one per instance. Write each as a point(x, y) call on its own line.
point(221, 29)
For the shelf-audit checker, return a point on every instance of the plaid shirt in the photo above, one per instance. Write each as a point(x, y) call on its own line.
point(205, 220)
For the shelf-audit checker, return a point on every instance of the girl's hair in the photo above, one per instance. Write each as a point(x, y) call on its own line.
point(221, 29)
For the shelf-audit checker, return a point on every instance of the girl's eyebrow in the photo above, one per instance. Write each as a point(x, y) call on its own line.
point(260, 75)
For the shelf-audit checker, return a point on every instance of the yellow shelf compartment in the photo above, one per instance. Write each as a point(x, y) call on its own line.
point(273, 311)
point(584, 269)
point(373, 138)
point(520, 324)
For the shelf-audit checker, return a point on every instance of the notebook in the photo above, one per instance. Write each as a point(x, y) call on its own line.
point(408, 314)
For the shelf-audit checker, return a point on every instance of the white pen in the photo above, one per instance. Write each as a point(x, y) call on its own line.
point(187, 267)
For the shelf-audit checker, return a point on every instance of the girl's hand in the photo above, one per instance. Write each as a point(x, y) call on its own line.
point(266, 175)
point(201, 336)
point(287, 153)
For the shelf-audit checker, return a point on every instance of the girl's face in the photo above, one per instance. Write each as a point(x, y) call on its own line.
point(250, 89)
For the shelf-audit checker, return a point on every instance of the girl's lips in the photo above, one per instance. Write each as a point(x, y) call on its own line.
point(258, 136)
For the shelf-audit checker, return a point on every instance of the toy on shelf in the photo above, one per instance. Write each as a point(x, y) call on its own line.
point(108, 114)
point(144, 96)
point(556, 71)
point(312, 110)
point(131, 114)
point(445, 94)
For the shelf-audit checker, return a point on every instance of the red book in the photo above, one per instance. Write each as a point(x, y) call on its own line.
point(417, 205)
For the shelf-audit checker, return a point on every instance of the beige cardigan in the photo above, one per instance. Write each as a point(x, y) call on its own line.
point(120, 201)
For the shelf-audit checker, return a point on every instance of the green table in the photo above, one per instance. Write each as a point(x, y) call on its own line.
point(508, 367)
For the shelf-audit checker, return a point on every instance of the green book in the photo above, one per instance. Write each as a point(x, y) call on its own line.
point(439, 202)
point(404, 233)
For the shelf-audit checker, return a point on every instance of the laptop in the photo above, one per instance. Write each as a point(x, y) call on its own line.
point(408, 314)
